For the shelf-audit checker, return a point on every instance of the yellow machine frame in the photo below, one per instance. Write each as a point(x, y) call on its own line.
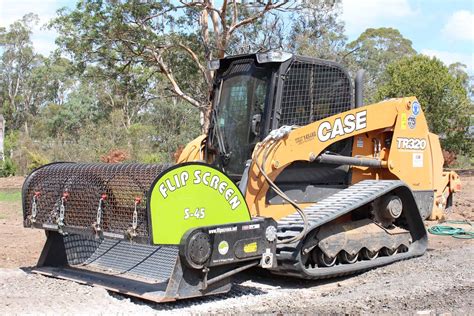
point(414, 155)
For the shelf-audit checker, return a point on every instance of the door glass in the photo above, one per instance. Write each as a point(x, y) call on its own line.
point(241, 98)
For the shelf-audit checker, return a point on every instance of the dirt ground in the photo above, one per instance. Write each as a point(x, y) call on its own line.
point(440, 282)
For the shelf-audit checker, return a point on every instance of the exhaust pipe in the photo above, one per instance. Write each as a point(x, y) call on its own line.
point(359, 88)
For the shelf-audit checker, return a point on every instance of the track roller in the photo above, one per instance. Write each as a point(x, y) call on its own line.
point(345, 257)
point(389, 252)
point(369, 255)
point(322, 260)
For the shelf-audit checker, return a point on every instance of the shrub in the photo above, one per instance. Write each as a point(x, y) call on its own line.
point(8, 168)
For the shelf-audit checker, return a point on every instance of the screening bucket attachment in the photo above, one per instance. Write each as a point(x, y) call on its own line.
point(157, 232)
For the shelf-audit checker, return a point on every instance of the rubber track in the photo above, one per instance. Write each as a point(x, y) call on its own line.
point(321, 213)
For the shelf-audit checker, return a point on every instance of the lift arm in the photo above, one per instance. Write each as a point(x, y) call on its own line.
point(410, 156)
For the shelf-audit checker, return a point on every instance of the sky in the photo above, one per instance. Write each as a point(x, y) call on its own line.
point(441, 28)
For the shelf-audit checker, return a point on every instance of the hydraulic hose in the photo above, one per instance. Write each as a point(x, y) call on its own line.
point(266, 146)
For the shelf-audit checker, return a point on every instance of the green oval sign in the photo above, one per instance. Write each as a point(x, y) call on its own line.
point(192, 195)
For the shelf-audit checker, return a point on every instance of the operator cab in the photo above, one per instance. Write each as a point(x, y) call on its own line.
point(240, 97)
point(256, 93)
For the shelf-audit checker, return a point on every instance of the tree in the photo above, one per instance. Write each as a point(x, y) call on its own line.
point(16, 65)
point(373, 51)
point(442, 96)
point(267, 33)
point(459, 70)
point(317, 32)
point(174, 41)
point(60, 110)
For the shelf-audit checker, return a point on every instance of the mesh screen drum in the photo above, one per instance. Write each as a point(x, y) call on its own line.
point(110, 198)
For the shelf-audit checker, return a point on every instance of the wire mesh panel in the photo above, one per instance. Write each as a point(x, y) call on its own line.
point(312, 91)
point(79, 248)
point(107, 197)
point(121, 257)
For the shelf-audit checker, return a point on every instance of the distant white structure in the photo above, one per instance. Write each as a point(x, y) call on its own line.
point(2, 136)
point(470, 131)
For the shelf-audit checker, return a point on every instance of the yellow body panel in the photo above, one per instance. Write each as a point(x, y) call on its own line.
point(409, 157)
point(194, 150)
point(391, 132)
point(444, 183)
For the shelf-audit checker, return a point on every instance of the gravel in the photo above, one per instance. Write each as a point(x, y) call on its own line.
point(439, 282)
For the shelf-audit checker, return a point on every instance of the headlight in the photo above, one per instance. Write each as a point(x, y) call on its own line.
point(213, 64)
point(273, 56)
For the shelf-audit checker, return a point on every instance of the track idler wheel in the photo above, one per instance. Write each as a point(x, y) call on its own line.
point(322, 260)
point(369, 255)
point(345, 257)
point(387, 209)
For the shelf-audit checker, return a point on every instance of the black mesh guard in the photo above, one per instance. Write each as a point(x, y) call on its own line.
point(314, 89)
point(80, 187)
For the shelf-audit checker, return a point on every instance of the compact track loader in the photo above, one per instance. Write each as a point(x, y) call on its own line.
point(295, 175)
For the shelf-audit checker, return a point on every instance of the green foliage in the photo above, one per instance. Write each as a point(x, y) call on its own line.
point(10, 142)
point(442, 95)
point(155, 158)
point(463, 162)
point(17, 64)
point(317, 32)
point(373, 51)
point(153, 138)
point(162, 47)
point(36, 160)
point(7, 167)
point(129, 61)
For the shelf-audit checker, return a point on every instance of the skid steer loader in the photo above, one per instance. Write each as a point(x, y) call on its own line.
point(295, 175)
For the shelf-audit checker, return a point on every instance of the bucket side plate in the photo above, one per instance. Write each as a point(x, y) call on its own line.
point(153, 273)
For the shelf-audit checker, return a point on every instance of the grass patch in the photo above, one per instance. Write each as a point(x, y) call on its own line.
point(10, 196)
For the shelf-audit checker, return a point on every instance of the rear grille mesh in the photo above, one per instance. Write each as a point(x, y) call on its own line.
point(83, 185)
point(237, 67)
point(313, 91)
